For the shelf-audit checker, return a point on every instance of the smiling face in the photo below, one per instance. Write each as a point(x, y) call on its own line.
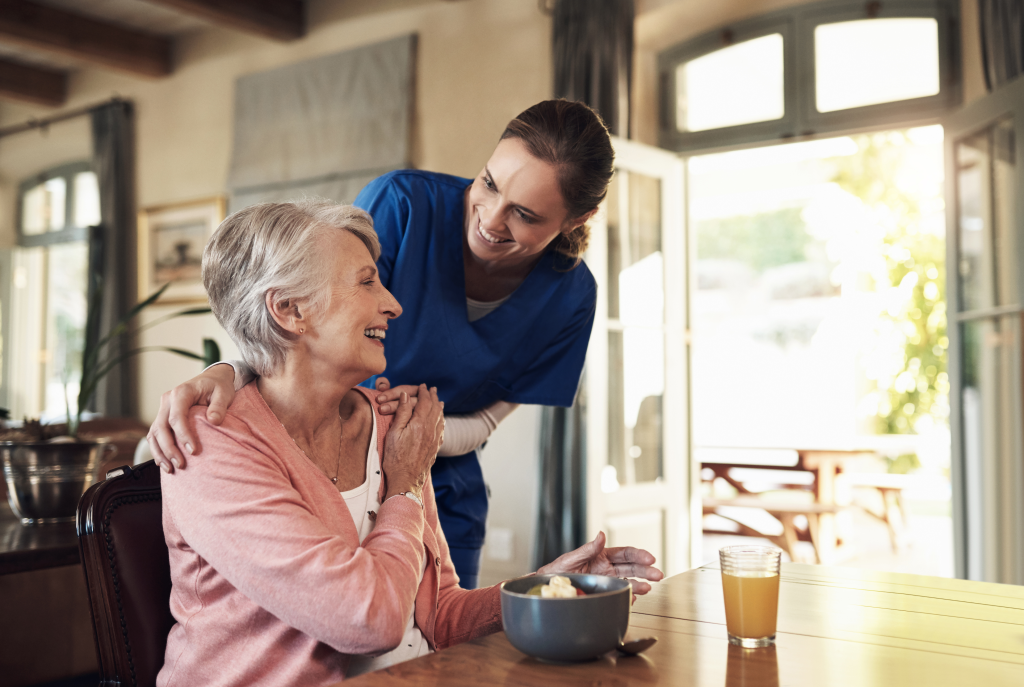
point(514, 208)
point(349, 334)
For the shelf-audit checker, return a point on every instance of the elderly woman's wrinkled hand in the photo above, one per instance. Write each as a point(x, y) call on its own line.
point(622, 561)
point(411, 445)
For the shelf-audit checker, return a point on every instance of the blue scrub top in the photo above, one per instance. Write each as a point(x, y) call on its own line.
point(530, 350)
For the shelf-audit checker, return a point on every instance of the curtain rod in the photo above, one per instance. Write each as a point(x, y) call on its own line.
point(45, 122)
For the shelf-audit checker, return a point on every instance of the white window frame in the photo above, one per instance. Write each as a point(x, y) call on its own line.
point(22, 382)
point(802, 119)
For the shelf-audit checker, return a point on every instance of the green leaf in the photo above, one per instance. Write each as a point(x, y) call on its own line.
point(89, 387)
point(122, 325)
point(180, 313)
point(211, 352)
point(178, 351)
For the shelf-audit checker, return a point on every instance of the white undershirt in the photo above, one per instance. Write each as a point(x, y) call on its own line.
point(361, 501)
point(477, 309)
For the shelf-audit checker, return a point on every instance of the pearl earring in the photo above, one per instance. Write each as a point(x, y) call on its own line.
point(302, 330)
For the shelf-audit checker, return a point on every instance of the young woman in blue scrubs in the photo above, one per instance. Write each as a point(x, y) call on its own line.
point(497, 307)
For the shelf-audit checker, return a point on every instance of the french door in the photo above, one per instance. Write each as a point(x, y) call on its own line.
point(984, 151)
point(640, 482)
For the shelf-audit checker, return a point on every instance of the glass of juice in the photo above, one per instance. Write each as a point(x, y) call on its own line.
point(750, 581)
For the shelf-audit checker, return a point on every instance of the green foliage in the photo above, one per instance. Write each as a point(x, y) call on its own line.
point(764, 240)
point(914, 284)
point(903, 463)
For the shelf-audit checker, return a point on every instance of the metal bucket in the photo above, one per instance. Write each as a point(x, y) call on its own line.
point(45, 480)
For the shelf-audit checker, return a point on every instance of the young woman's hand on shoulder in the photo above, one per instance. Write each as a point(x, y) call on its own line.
point(388, 395)
point(213, 388)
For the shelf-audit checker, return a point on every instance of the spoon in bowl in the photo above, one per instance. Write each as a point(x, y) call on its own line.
point(634, 647)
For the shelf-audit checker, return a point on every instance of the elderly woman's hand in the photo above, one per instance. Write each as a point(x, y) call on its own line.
point(411, 445)
point(622, 561)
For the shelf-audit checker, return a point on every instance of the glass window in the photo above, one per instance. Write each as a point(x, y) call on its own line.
point(991, 407)
point(65, 324)
point(636, 341)
point(48, 303)
point(808, 70)
point(43, 206)
point(740, 84)
point(872, 61)
point(985, 200)
point(87, 200)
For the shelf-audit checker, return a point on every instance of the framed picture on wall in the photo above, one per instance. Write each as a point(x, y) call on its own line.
point(171, 242)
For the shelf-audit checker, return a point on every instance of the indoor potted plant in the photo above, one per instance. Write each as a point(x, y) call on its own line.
point(48, 467)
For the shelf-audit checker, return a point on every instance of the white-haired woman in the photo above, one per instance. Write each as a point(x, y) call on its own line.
point(304, 540)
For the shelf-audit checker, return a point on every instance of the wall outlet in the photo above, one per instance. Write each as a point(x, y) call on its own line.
point(500, 544)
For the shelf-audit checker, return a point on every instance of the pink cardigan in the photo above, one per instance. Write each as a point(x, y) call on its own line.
point(270, 583)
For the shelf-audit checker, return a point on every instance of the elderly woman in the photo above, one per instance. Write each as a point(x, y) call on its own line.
point(304, 540)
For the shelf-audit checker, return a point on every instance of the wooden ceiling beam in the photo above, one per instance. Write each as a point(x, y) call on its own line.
point(76, 35)
point(283, 20)
point(33, 84)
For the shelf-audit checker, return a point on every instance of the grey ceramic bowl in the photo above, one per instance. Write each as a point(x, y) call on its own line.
point(566, 630)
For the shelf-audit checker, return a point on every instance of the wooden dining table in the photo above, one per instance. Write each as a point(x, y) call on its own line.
point(836, 626)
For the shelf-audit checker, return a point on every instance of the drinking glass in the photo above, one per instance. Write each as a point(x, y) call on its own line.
point(750, 581)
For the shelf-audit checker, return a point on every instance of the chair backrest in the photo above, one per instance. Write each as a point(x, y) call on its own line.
point(121, 540)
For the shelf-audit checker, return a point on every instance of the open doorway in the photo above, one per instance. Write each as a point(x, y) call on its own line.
point(819, 324)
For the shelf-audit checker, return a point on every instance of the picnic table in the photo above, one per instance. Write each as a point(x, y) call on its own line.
point(823, 465)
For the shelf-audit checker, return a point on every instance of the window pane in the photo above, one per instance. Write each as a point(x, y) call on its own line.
point(636, 384)
point(991, 407)
point(34, 211)
point(42, 207)
point(873, 61)
point(740, 84)
point(1004, 182)
point(56, 195)
point(985, 179)
point(614, 245)
point(65, 323)
point(87, 200)
point(636, 348)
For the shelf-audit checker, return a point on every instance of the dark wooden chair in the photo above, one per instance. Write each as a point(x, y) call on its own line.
point(120, 537)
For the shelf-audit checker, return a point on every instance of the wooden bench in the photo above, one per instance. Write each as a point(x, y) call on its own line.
point(894, 509)
point(784, 512)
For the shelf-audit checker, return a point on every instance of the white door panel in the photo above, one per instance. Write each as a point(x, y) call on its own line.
point(640, 481)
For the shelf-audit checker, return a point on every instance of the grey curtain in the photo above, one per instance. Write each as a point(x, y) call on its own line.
point(1002, 40)
point(562, 523)
point(592, 42)
point(112, 244)
point(324, 127)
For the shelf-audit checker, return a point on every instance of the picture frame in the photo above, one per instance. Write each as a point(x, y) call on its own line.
point(171, 242)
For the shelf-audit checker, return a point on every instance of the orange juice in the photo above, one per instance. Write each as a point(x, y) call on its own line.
point(751, 604)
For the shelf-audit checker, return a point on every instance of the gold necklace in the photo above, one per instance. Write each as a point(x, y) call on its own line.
point(341, 435)
point(337, 469)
